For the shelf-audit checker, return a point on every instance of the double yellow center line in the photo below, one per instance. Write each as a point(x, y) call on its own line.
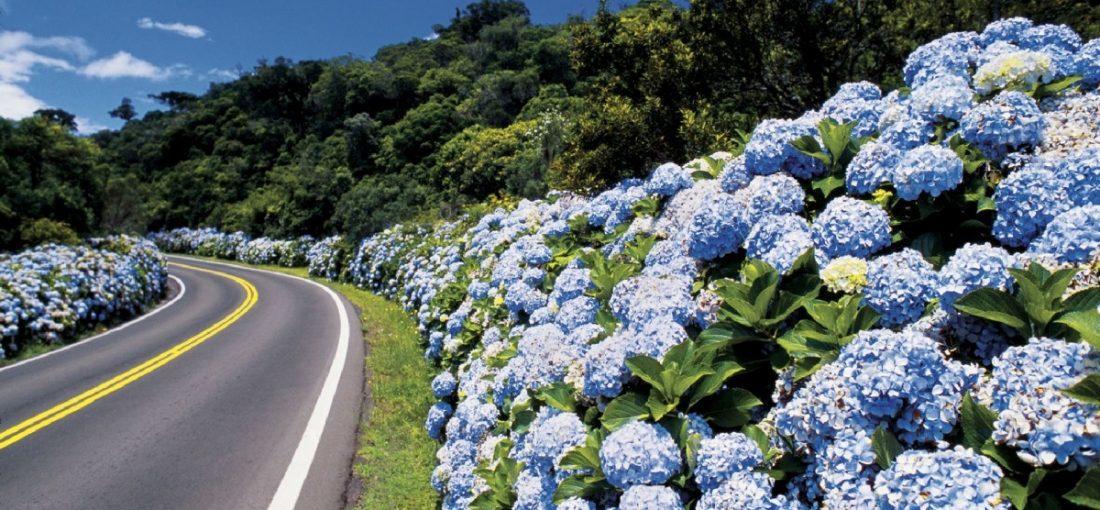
point(46, 418)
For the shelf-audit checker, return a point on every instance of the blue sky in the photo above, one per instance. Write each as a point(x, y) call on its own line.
point(85, 55)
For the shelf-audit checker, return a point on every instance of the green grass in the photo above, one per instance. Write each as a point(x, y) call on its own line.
point(29, 352)
point(396, 457)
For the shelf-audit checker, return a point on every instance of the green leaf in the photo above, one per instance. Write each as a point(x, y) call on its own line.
point(977, 423)
point(759, 437)
point(713, 382)
point(886, 447)
point(1004, 456)
point(1083, 300)
point(558, 396)
point(997, 306)
point(1087, 491)
point(730, 408)
point(646, 369)
point(1085, 323)
point(1086, 390)
point(1054, 87)
point(1014, 492)
point(624, 409)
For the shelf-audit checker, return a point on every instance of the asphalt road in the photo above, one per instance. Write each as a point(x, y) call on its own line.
point(214, 427)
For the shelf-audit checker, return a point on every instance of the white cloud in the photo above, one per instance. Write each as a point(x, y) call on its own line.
point(86, 126)
point(192, 31)
point(16, 103)
point(125, 65)
point(216, 74)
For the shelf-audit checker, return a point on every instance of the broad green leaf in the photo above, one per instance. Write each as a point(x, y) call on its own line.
point(997, 306)
point(1086, 390)
point(1086, 323)
point(558, 396)
point(1004, 456)
point(1083, 300)
point(729, 409)
point(885, 446)
point(1087, 491)
point(977, 423)
point(713, 382)
point(759, 437)
point(624, 409)
point(1014, 492)
point(646, 369)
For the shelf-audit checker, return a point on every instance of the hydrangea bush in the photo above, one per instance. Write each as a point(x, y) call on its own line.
point(52, 293)
point(889, 302)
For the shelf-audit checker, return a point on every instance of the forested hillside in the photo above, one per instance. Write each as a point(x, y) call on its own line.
point(492, 105)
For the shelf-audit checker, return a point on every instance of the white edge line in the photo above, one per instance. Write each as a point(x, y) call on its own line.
point(183, 290)
point(290, 488)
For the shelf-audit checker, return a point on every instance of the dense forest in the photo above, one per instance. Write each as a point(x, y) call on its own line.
point(492, 105)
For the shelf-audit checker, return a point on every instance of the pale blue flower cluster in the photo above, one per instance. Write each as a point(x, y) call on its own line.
point(956, 478)
point(927, 169)
point(769, 149)
point(53, 292)
point(639, 453)
point(1009, 121)
point(850, 227)
point(326, 256)
point(1045, 425)
point(1073, 236)
point(899, 285)
point(647, 497)
point(720, 457)
point(779, 240)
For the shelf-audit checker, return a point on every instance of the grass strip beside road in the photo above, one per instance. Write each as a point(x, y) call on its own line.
point(395, 458)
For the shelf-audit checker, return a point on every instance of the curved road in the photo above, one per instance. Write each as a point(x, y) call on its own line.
point(242, 393)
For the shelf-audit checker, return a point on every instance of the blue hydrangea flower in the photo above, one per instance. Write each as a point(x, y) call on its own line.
point(437, 418)
point(945, 97)
point(1071, 237)
point(1080, 170)
point(668, 179)
point(551, 435)
point(640, 300)
point(1010, 30)
point(1045, 425)
point(716, 228)
point(908, 133)
point(576, 503)
point(573, 282)
point(472, 420)
point(605, 363)
point(779, 241)
point(972, 267)
point(577, 312)
point(899, 285)
point(850, 227)
point(873, 165)
point(735, 175)
point(927, 169)
point(745, 490)
point(639, 453)
point(769, 149)
point(951, 55)
point(1026, 202)
point(856, 102)
point(1050, 37)
point(1087, 62)
point(957, 478)
point(901, 381)
point(444, 385)
point(534, 491)
point(648, 497)
point(720, 457)
point(769, 195)
point(1010, 120)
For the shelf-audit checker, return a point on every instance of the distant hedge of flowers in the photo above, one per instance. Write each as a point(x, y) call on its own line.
point(52, 293)
point(210, 242)
point(890, 302)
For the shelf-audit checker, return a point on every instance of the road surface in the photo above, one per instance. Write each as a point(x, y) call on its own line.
point(242, 392)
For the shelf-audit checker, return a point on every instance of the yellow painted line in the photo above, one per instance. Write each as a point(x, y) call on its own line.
point(46, 418)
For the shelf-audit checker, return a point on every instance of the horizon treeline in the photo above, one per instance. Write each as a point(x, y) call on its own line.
point(492, 105)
